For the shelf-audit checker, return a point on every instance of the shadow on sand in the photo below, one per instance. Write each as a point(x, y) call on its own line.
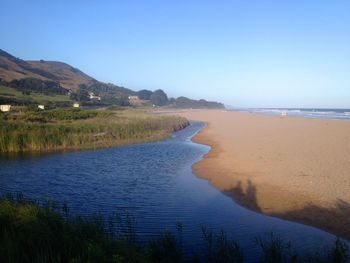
point(335, 219)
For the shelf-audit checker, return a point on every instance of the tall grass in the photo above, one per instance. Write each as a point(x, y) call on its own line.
point(80, 129)
point(30, 232)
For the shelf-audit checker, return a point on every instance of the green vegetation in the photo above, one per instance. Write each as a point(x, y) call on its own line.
point(26, 97)
point(62, 115)
point(110, 93)
point(10, 95)
point(68, 129)
point(37, 85)
point(30, 232)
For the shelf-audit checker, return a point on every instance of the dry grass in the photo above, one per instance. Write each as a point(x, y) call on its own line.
point(74, 129)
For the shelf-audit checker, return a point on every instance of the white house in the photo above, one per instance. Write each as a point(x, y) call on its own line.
point(133, 97)
point(93, 96)
point(5, 108)
point(76, 105)
point(42, 107)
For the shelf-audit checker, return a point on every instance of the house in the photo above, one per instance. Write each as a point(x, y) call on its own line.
point(133, 97)
point(93, 96)
point(42, 107)
point(5, 108)
point(76, 105)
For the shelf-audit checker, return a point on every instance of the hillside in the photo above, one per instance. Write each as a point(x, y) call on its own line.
point(183, 102)
point(70, 78)
point(52, 78)
point(12, 68)
point(160, 98)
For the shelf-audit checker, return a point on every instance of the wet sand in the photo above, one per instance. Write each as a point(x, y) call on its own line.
point(289, 167)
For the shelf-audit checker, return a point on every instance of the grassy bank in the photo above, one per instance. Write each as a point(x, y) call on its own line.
point(71, 129)
point(48, 233)
point(10, 95)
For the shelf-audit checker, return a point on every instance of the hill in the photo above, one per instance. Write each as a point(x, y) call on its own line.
point(70, 78)
point(160, 98)
point(183, 102)
point(12, 68)
point(53, 78)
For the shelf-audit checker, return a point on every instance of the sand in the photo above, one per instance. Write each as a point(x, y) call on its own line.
point(293, 168)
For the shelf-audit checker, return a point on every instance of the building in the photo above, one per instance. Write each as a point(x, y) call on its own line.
point(70, 92)
point(76, 105)
point(92, 96)
point(42, 107)
point(5, 108)
point(133, 97)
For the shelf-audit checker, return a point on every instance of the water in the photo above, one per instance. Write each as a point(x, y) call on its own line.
point(338, 114)
point(155, 185)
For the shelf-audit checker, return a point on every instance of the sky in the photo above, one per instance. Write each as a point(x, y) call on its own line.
point(244, 53)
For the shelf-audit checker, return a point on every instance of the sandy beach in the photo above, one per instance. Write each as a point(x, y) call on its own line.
point(289, 167)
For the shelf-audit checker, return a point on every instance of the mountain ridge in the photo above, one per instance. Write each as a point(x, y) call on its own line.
point(61, 74)
point(12, 68)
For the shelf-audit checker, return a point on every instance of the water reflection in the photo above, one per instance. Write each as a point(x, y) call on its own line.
point(153, 183)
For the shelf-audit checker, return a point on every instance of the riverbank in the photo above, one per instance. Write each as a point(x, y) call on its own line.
point(28, 130)
point(293, 168)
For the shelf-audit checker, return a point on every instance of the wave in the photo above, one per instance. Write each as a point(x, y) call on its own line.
point(307, 113)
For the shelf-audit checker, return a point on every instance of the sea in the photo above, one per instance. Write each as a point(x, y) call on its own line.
point(337, 114)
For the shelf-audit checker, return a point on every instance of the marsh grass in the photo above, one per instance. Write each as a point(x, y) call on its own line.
point(72, 129)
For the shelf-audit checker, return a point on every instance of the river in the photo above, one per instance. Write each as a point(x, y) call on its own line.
point(153, 183)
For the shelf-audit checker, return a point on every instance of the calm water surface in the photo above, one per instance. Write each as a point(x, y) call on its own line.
point(154, 184)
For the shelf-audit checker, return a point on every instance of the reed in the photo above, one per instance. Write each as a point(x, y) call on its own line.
point(68, 129)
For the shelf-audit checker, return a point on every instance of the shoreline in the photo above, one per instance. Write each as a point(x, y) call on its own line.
point(286, 198)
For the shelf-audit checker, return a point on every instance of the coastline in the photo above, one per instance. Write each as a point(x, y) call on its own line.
point(279, 166)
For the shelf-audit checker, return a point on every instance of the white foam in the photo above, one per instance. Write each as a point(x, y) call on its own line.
point(308, 113)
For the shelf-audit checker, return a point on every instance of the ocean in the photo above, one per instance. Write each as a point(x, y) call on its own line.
point(338, 114)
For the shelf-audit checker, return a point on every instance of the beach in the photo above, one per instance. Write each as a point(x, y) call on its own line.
point(289, 167)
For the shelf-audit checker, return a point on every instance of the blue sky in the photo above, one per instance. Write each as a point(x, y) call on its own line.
point(244, 53)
